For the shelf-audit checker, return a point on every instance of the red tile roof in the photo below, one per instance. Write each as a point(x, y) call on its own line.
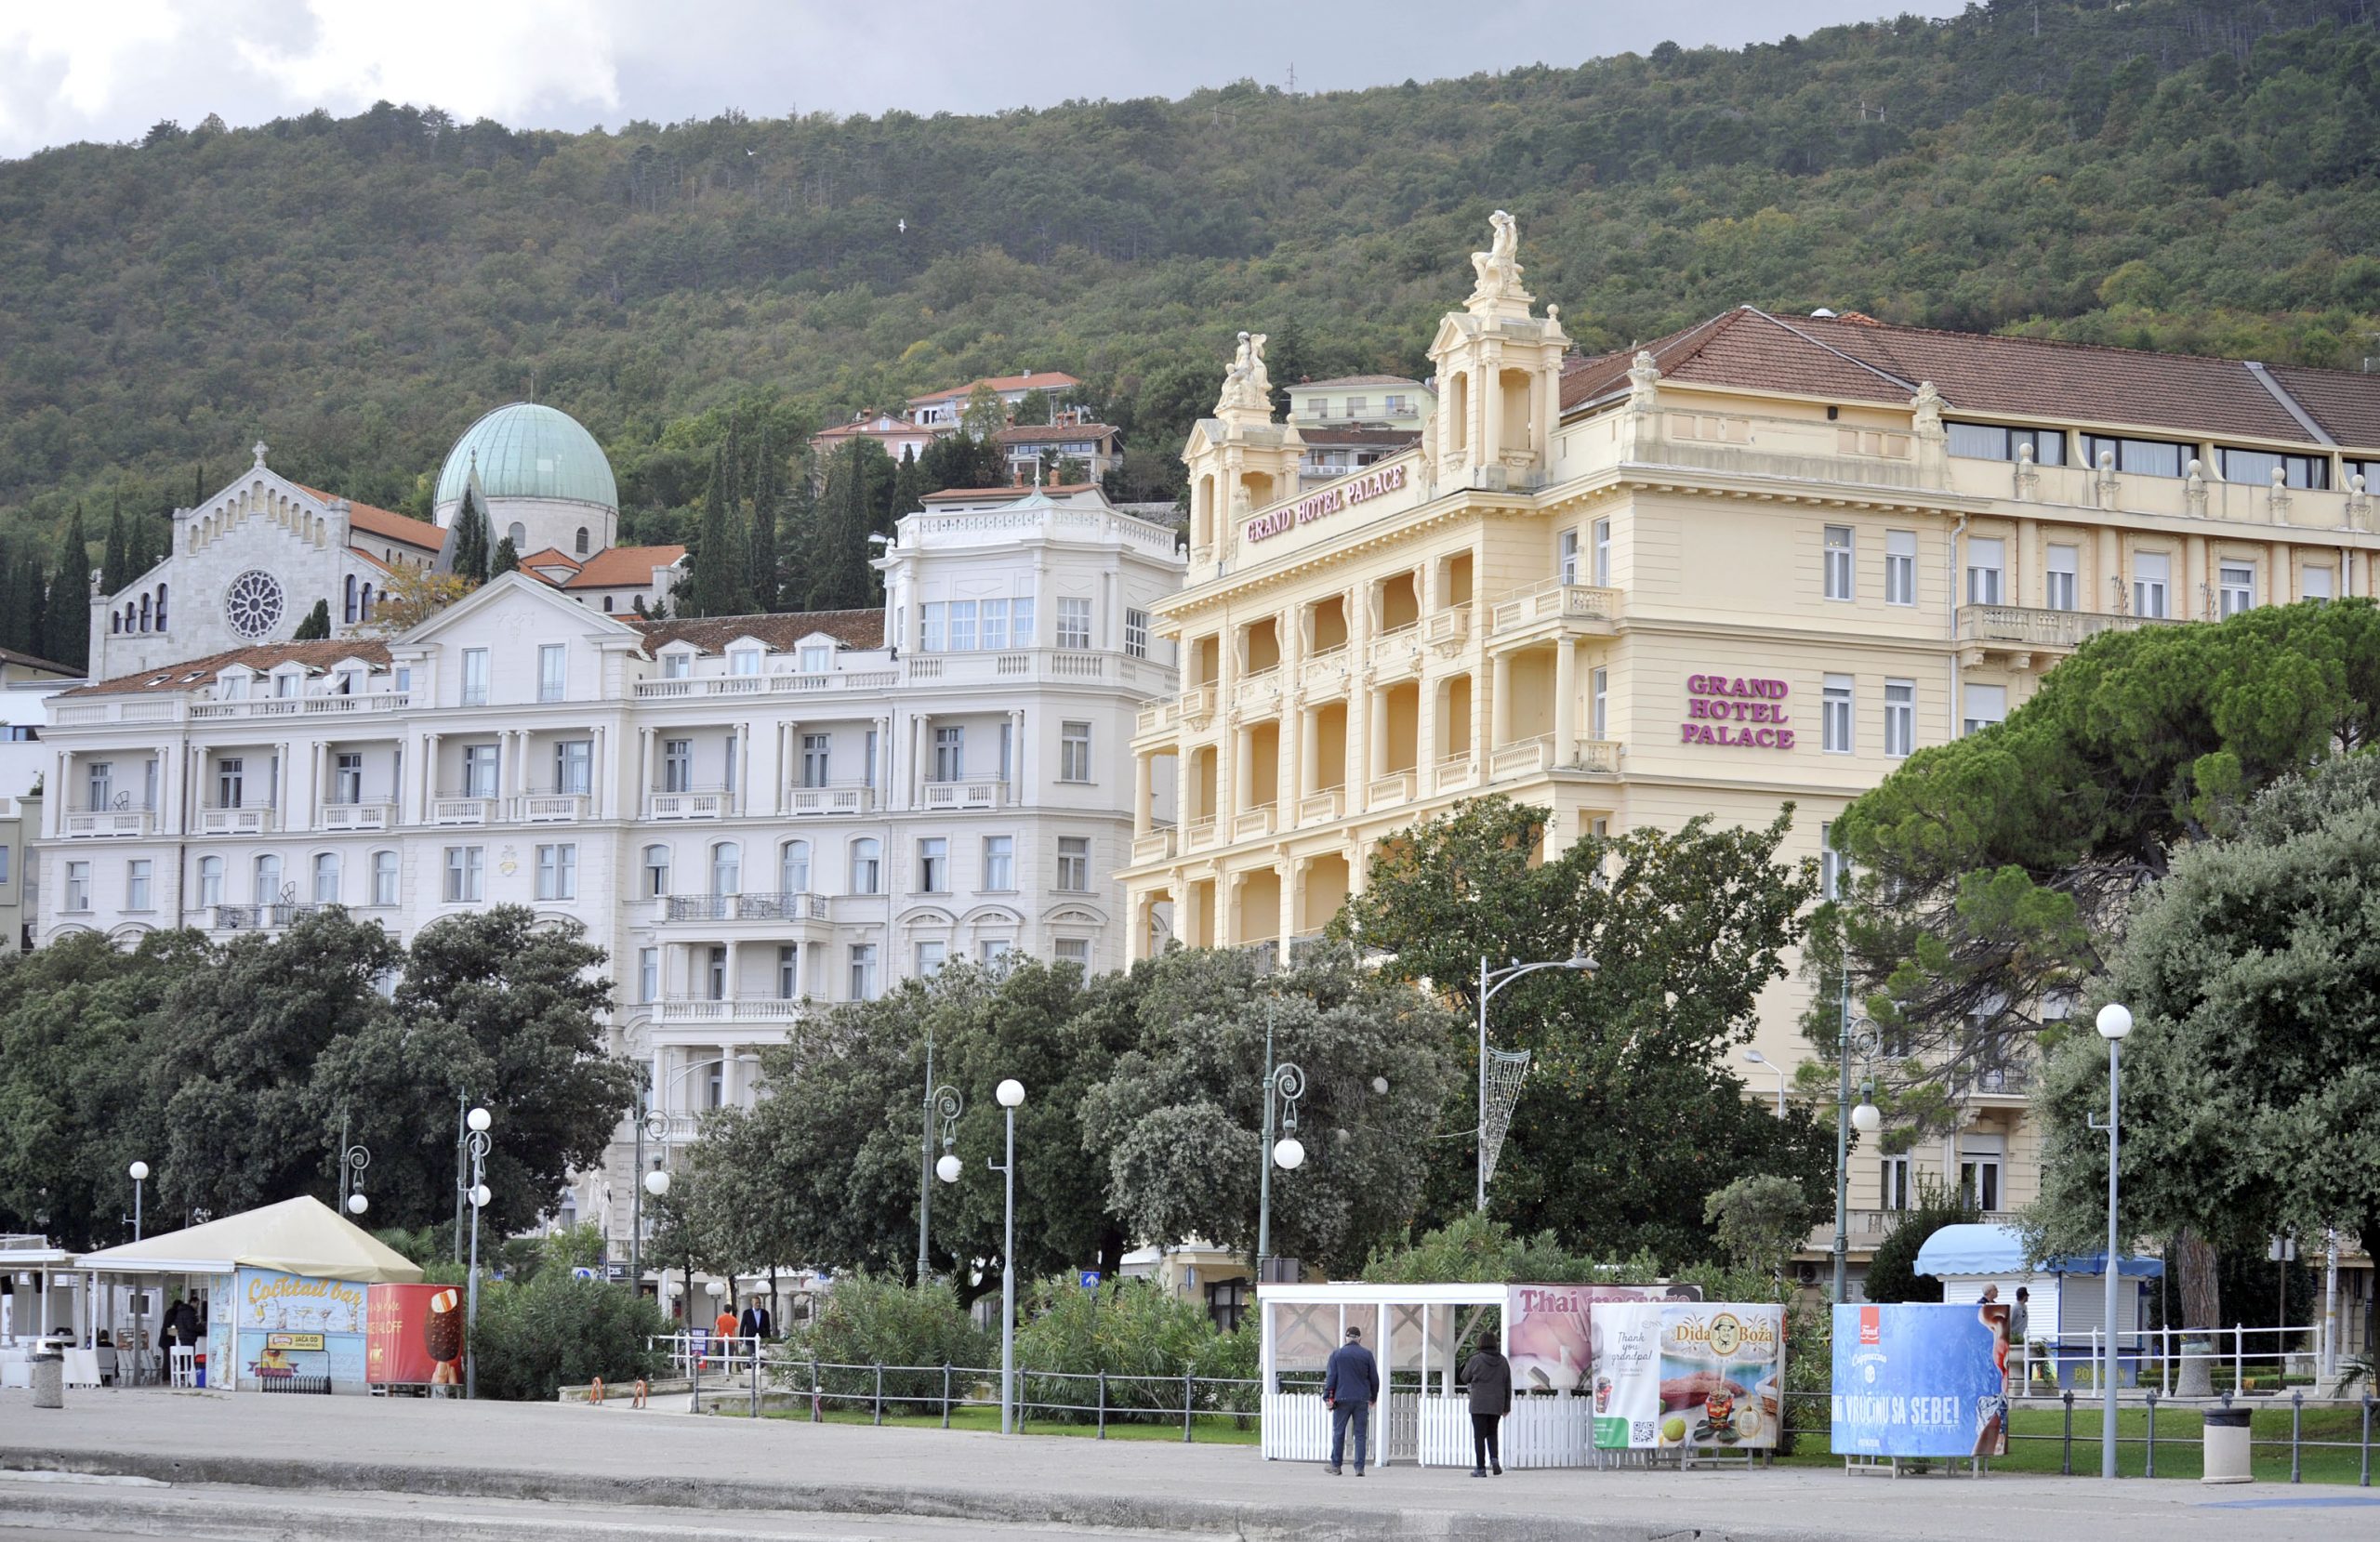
point(260, 656)
point(623, 567)
point(26, 661)
point(1037, 380)
point(550, 557)
point(1856, 357)
point(712, 634)
point(1051, 433)
point(382, 522)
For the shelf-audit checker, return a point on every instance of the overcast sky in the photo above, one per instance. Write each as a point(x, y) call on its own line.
point(106, 69)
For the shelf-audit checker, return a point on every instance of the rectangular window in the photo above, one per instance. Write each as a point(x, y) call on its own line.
point(1602, 571)
point(574, 766)
point(326, 878)
point(136, 884)
point(1567, 558)
point(991, 950)
point(2061, 586)
point(1830, 863)
point(2254, 469)
point(962, 625)
point(815, 756)
point(867, 868)
point(933, 627)
point(867, 763)
point(1007, 750)
point(788, 972)
point(677, 666)
point(1136, 634)
point(1074, 864)
point(992, 629)
point(2146, 458)
point(715, 973)
point(1901, 567)
point(1019, 624)
point(1901, 718)
point(648, 974)
point(2314, 584)
point(677, 765)
point(549, 670)
point(656, 872)
point(1838, 563)
point(931, 957)
point(1599, 704)
point(1991, 442)
point(78, 885)
point(729, 761)
point(558, 872)
point(1834, 715)
point(1074, 623)
point(949, 753)
point(816, 658)
point(1896, 1189)
point(2235, 589)
point(347, 777)
point(230, 782)
point(1072, 950)
point(934, 864)
point(743, 661)
point(6, 853)
point(1979, 1182)
point(465, 874)
point(863, 980)
point(384, 877)
point(1000, 863)
point(1987, 569)
point(2152, 576)
point(479, 770)
point(1074, 752)
point(475, 677)
point(1985, 704)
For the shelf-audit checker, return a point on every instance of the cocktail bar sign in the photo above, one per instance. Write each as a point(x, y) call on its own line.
point(1736, 712)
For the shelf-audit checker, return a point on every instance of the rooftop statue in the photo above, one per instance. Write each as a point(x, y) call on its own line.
point(1498, 268)
point(1247, 386)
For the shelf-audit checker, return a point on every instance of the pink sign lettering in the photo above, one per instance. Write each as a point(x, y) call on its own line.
point(1330, 500)
point(1717, 705)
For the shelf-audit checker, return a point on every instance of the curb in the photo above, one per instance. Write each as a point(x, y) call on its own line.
point(717, 1500)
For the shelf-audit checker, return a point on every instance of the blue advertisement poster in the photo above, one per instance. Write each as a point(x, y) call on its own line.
point(291, 1326)
point(1921, 1379)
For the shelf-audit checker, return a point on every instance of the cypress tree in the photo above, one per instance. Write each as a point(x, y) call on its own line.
point(712, 588)
point(908, 484)
point(115, 562)
point(21, 623)
point(471, 538)
point(767, 495)
point(66, 624)
point(316, 627)
point(505, 560)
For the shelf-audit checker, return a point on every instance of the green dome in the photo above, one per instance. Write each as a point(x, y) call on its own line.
point(527, 451)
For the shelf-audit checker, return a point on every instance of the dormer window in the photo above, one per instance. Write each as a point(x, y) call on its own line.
point(284, 683)
point(816, 658)
point(744, 661)
point(233, 688)
point(677, 666)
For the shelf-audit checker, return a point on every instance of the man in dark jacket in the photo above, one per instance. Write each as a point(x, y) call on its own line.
point(1350, 1387)
point(1490, 1376)
point(756, 1323)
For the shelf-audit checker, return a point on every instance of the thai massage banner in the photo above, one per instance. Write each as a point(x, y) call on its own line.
point(1921, 1379)
point(414, 1336)
point(1689, 1375)
point(1550, 1331)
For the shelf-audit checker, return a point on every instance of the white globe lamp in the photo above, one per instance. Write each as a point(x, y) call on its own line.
point(479, 1119)
point(1289, 1152)
point(656, 1182)
point(2115, 1020)
point(948, 1168)
point(357, 1204)
point(1010, 1093)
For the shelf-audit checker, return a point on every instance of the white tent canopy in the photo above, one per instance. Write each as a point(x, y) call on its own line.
point(297, 1236)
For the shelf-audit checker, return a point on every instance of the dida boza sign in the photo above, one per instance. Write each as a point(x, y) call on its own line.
point(1330, 500)
point(1736, 711)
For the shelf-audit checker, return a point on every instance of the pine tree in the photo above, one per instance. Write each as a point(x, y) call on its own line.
point(505, 560)
point(471, 538)
point(116, 561)
point(767, 495)
point(66, 624)
point(316, 627)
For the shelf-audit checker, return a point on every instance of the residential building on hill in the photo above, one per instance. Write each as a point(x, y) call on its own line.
point(1763, 560)
point(942, 409)
point(896, 436)
point(1372, 400)
point(1096, 446)
point(754, 816)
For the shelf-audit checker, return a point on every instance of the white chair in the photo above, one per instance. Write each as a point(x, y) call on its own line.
point(185, 1365)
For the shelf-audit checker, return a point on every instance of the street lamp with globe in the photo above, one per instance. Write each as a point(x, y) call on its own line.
point(1010, 1096)
point(2114, 1022)
point(139, 1175)
point(477, 1121)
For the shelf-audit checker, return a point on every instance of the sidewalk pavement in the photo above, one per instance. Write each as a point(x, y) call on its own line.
point(613, 1457)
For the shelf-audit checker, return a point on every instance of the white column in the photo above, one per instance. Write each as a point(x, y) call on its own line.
point(1500, 707)
point(1019, 724)
point(1144, 793)
point(604, 788)
point(743, 768)
point(322, 789)
point(1566, 706)
point(643, 772)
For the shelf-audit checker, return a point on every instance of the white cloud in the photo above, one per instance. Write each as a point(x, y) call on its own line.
point(523, 60)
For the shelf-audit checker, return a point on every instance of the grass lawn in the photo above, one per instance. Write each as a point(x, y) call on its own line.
point(1206, 1430)
point(2035, 1443)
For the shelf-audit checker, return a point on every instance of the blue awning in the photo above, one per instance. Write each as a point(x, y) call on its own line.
point(1999, 1250)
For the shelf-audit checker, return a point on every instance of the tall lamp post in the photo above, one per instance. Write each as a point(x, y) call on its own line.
point(1009, 1094)
point(1861, 1032)
point(942, 1102)
point(352, 1160)
point(477, 1121)
point(139, 1174)
point(656, 1123)
point(2115, 1022)
point(1285, 1084)
point(1754, 1057)
point(1489, 983)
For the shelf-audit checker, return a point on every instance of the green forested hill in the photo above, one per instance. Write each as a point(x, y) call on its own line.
point(2190, 175)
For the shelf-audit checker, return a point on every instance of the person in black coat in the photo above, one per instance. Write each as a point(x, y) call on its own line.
point(1490, 1376)
point(756, 1323)
point(1350, 1387)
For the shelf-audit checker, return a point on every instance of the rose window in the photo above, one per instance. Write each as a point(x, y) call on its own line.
point(253, 603)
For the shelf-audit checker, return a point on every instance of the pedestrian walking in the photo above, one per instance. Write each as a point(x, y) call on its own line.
point(1490, 1376)
point(756, 1323)
point(1350, 1387)
point(2020, 1322)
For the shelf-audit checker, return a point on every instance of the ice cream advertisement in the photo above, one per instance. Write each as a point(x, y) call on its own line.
point(1690, 1376)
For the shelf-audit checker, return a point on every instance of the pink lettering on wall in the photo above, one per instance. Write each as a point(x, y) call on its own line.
point(1736, 712)
point(1330, 500)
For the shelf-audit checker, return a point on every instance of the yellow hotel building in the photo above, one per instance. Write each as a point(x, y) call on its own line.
point(1762, 559)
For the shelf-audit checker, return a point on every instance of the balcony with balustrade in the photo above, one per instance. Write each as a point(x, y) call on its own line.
point(120, 819)
point(351, 818)
point(1536, 756)
point(1554, 609)
point(840, 797)
point(1155, 845)
point(772, 907)
point(968, 793)
point(702, 804)
point(243, 820)
point(672, 1010)
point(261, 917)
point(2015, 633)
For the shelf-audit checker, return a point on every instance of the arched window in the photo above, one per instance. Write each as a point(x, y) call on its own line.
point(607, 604)
point(656, 872)
point(347, 608)
point(520, 534)
point(384, 877)
point(116, 622)
point(366, 607)
point(161, 607)
point(326, 878)
point(793, 867)
point(582, 541)
point(727, 868)
point(210, 880)
point(867, 866)
point(268, 889)
point(144, 613)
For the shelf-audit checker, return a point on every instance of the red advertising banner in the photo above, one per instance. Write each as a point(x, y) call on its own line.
point(413, 1336)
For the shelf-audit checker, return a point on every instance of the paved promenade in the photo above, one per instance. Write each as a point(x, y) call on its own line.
point(613, 1458)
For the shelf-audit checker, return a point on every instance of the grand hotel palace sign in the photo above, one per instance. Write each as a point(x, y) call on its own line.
point(1329, 500)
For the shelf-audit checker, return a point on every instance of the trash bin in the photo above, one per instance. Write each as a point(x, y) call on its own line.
point(2227, 1459)
point(49, 1379)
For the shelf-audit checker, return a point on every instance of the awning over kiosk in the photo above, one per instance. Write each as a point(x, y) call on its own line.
point(1984, 1249)
point(297, 1236)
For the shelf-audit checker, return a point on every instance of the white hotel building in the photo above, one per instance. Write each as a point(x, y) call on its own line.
point(753, 815)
